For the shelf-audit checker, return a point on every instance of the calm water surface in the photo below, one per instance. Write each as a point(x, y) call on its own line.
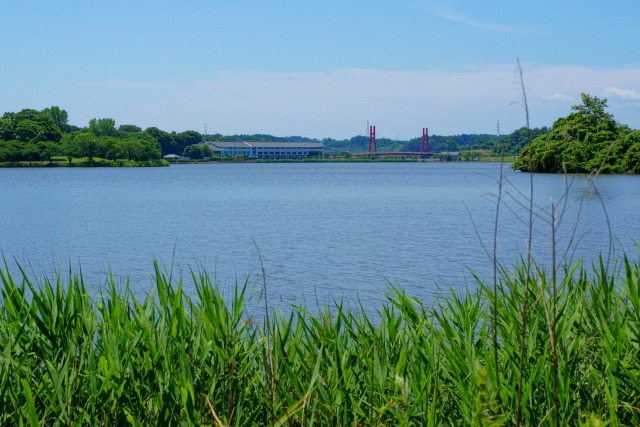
point(322, 231)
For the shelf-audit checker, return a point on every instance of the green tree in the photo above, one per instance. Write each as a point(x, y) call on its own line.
point(87, 145)
point(451, 145)
point(29, 125)
point(6, 130)
point(26, 130)
point(184, 139)
point(58, 116)
point(48, 149)
point(129, 128)
point(30, 152)
point(10, 151)
point(587, 139)
point(103, 127)
point(631, 160)
point(198, 151)
point(165, 140)
point(69, 148)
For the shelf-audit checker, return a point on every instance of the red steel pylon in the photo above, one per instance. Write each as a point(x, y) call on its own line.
point(425, 140)
point(372, 139)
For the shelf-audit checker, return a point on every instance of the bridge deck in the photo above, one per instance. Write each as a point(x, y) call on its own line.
point(395, 153)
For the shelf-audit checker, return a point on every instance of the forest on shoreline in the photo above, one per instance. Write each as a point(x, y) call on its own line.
point(46, 138)
point(588, 139)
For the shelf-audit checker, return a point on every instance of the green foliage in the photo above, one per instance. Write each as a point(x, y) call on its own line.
point(198, 151)
point(59, 117)
point(29, 126)
point(70, 356)
point(129, 128)
point(103, 127)
point(11, 151)
point(451, 145)
point(513, 143)
point(587, 140)
point(86, 145)
point(164, 139)
point(184, 139)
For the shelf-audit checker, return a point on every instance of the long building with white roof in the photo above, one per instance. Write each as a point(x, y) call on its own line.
point(268, 150)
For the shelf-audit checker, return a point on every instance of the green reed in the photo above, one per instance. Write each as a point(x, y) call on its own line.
point(73, 357)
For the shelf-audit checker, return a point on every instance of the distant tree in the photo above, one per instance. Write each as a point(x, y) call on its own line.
point(26, 130)
point(184, 139)
point(29, 125)
point(129, 128)
point(451, 145)
point(58, 116)
point(139, 147)
point(129, 149)
point(587, 139)
point(198, 151)
point(631, 158)
point(103, 127)
point(68, 147)
point(6, 130)
point(48, 149)
point(165, 140)
point(86, 145)
point(10, 151)
point(30, 152)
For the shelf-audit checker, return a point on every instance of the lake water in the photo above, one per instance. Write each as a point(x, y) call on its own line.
point(321, 231)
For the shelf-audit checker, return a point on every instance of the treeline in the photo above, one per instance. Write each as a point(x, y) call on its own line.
point(257, 138)
point(493, 145)
point(587, 140)
point(30, 135)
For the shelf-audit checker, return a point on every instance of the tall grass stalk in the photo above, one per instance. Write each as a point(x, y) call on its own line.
point(68, 357)
point(525, 296)
point(494, 308)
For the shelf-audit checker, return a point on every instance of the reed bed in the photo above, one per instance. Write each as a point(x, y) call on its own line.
point(71, 357)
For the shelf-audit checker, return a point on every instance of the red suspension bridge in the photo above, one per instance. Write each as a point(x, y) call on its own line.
point(424, 152)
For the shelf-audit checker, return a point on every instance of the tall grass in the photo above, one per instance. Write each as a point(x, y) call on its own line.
point(70, 358)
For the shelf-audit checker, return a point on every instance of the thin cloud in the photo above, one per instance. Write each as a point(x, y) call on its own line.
point(623, 94)
point(338, 103)
point(556, 97)
point(123, 84)
point(485, 26)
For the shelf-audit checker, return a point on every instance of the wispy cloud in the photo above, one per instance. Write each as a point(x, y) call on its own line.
point(123, 84)
point(556, 97)
point(338, 103)
point(623, 94)
point(485, 26)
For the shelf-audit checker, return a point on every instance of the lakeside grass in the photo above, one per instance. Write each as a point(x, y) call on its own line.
point(61, 161)
point(70, 358)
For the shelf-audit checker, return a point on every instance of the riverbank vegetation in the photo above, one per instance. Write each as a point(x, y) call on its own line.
point(38, 138)
point(70, 355)
point(31, 137)
point(588, 139)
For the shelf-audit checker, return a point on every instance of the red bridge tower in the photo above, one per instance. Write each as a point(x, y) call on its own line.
point(372, 139)
point(425, 140)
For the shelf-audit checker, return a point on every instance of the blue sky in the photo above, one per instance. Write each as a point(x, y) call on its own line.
point(320, 69)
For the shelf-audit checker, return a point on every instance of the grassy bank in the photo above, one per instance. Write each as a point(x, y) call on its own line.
point(60, 161)
point(70, 358)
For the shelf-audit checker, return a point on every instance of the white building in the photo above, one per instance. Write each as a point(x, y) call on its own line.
point(268, 150)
